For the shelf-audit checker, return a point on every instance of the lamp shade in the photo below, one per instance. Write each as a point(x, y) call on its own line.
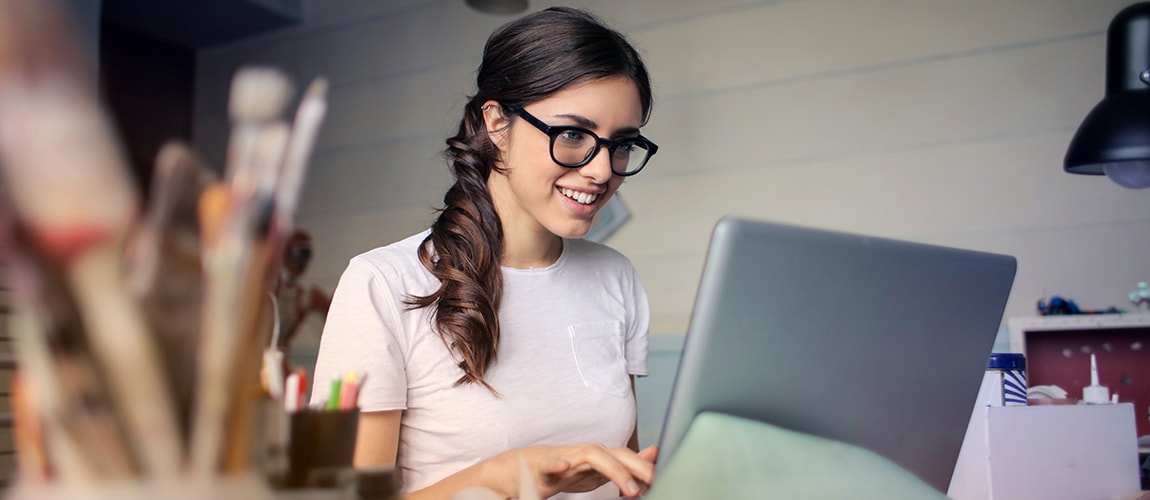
point(1114, 139)
point(498, 6)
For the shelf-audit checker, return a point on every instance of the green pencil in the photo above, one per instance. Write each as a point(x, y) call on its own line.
point(333, 398)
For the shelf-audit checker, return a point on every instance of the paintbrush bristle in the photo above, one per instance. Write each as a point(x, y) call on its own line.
point(213, 207)
point(317, 88)
point(259, 94)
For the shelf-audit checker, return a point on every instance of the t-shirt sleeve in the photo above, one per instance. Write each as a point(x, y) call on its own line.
point(363, 334)
point(638, 326)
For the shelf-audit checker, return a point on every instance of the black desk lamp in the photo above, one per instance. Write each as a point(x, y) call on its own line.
point(1114, 139)
point(498, 6)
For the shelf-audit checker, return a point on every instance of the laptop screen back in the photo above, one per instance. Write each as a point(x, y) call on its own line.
point(870, 341)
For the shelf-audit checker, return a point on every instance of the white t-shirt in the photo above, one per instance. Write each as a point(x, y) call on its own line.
point(571, 334)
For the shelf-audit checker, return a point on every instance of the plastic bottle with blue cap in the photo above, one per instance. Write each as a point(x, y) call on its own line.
point(1008, 369)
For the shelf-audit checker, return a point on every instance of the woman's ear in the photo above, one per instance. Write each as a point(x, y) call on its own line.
point(496, 122)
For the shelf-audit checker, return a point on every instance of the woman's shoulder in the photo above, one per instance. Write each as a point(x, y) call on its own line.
point(400, 257)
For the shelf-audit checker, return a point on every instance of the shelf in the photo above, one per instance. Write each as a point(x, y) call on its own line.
point(1058, 352)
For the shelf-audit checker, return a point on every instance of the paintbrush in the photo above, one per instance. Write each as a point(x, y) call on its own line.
point(82, 232)
point(38, 370)
point(257, 99)
point(256, 311)
point(164, 269)
point(277, 186)
point(27, 432)
point(276, 167)
point(61, 382)
point(234, 219)
point(309, 115)
point(69, 185)
point(218, 329)
point(54, 452)
point(170, 226)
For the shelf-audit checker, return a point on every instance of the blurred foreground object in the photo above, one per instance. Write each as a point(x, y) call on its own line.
point(69, 190)
point(138, 330)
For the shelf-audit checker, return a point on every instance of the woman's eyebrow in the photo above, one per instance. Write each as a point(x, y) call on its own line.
point(582, 121)
point(585, 122)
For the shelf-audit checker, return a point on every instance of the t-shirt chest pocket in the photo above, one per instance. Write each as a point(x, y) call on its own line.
point(598, 349)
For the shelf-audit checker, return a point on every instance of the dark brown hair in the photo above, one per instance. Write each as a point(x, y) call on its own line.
point(524, 61)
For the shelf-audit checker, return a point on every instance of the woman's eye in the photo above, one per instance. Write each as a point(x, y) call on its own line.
point(573, 136)
point(624, 149)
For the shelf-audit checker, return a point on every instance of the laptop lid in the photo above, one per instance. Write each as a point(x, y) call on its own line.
point(870, 341)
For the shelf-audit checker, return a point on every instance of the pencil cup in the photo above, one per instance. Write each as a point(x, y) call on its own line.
point(320, 448)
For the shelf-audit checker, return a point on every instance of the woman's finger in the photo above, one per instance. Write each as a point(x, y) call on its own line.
point(619, 465)
point(637, 465)
point(554, 465)
point(649, 453)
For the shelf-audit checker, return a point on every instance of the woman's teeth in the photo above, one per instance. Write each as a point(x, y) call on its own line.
point(579, 196)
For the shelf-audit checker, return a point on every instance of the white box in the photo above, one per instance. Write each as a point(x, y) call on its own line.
point(1048, 452)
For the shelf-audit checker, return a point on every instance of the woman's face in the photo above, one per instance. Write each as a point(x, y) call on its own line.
point(534, 193)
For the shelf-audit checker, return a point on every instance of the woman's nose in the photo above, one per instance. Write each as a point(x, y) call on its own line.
point(599, 168)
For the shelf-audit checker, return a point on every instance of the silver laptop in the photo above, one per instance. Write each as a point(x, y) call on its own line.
point(870, 341)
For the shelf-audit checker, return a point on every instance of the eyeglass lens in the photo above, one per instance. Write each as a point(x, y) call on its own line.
point(572, 147)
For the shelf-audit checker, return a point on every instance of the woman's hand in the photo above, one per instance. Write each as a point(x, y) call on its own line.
point(577, 468)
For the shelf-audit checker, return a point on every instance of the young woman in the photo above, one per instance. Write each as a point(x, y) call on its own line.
point(498, 335)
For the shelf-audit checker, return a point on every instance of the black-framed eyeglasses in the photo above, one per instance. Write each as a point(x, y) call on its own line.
point(574, 147)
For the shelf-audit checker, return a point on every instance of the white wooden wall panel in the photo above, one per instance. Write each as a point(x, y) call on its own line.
point(361, 232)
point(986, 96)
point(382, 111)
point(995, 185)
point(829, 38)
point(386, 176)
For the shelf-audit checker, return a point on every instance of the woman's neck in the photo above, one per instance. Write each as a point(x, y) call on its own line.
point(526, 243)
point(530, 249)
